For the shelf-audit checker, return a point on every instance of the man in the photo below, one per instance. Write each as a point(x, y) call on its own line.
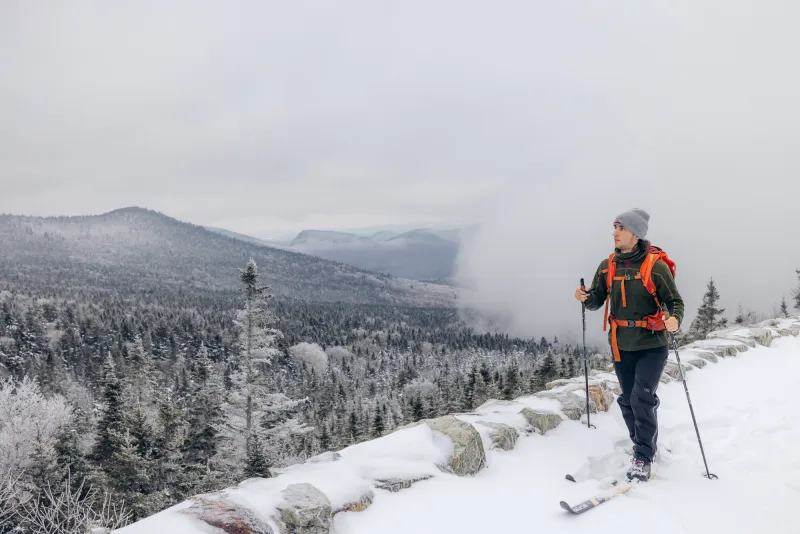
point(639, 328)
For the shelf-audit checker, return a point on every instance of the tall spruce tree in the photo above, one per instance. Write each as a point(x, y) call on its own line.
point(709, 317)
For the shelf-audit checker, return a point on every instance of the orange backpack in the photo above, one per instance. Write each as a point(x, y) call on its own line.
point(652, 322)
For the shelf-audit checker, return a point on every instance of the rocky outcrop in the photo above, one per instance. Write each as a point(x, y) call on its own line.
point(218, 511)
point(672, 370)
point(468, 454)
point(396, 484)
point(304, 510)
point(357, 506)
point(503, 436)
point(571, 405)
point(541, 420)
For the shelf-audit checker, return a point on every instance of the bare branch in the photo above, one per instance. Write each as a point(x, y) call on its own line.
point(68, 512)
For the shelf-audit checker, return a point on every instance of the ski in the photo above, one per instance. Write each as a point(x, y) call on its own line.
point(595, 501)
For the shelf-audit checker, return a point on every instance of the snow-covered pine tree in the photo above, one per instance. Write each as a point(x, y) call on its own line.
point(250, 407)
point(784, 308)
point(511, 386)
point(112, 417)
point(204, 414)
point(709, 317)
point(796, 292)
point(546, 371)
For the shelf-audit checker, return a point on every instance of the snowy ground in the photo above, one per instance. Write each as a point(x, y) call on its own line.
point(749, 423)
point(750, 426)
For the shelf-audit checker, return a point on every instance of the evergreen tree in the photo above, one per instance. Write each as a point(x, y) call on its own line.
point(796, 292)
point(248, 381)
point(257, 465)
point(112, 418)
point(784, 308)
point(739, 316)
point(204, 413)
point(378, 427)
point(546, 371)
point(511, 389)
point(709, 317)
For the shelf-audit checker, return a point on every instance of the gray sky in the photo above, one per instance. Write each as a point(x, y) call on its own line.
point(542, 120)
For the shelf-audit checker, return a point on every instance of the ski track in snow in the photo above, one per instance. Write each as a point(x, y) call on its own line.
point(750, 427)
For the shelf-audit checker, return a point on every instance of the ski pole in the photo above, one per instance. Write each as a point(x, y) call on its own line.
point(585, 363)
point(708, 475)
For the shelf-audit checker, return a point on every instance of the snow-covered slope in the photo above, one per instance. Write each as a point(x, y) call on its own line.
point(501, 468)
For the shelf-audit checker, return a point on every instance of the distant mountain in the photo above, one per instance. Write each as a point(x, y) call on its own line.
point(135, 251)
point(420, 254)
point(309, 239)
point(235, 235)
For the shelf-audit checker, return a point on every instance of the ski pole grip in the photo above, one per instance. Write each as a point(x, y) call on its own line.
point(583, 286)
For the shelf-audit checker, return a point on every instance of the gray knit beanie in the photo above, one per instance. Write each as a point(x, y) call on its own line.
point(634, 220)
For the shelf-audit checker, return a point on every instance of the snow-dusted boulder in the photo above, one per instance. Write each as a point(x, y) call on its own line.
point(303, 510)
point(750, 335)
point(602, 396)
point(788, 326)
point(468, 454)
point(720, 346)
point(219, 511)
point(672, 370)
point(541, 420)
point(357, 506)
point(503, 436)
point(396, 484)
point(572, 406)
point(699, 363)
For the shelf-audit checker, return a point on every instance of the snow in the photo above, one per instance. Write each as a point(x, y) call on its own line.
point(749, 425)
point(750, 430)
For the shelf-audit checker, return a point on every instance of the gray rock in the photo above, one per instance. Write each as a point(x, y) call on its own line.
point(672, 370)
point(559, 382)
point(572, 405)
point(396, 484)
point(304, 510)
point(707, 355)
point(468, 453)
point(503, 436)
point(357, 506)
point(226, 515)
point(791, 330)
point(541, 420)
point(698, 362)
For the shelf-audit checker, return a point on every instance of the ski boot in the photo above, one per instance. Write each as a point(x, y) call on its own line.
point(640, 469)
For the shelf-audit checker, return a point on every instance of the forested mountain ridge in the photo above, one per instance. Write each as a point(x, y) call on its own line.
point(136, 251)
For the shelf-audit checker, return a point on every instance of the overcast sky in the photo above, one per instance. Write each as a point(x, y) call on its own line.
point(541, 120)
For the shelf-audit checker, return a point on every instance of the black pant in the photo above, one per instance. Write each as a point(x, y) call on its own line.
point(639, 373)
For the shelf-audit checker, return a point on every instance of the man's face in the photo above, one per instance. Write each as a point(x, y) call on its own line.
point(623, 238)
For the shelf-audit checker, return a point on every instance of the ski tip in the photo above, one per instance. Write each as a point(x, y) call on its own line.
point(567, 507)
point(570, 478)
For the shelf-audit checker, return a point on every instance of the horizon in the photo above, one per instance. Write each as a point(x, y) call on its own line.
point(540, 132)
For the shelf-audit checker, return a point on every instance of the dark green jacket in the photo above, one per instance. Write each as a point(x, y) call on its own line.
point(639, 302)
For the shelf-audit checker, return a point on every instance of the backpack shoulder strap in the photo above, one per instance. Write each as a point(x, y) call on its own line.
point(610, 271)
point(649, 262)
